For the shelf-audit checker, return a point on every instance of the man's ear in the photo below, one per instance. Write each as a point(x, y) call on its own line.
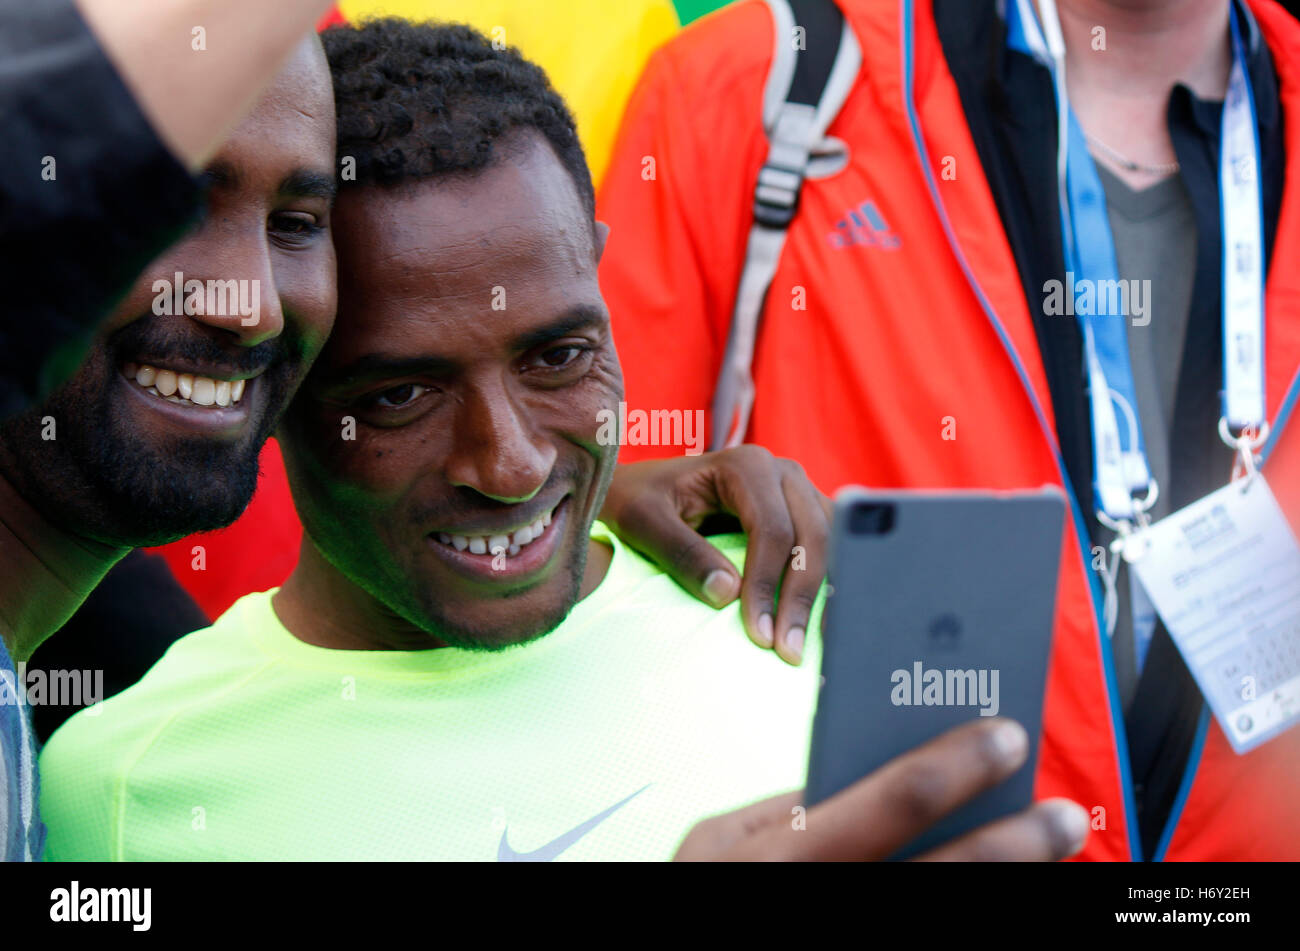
point(602, 235)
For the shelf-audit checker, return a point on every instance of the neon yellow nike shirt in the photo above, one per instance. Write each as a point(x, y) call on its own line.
point(607, 739)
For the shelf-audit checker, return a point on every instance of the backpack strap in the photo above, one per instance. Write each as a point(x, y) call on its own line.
point(804, 92)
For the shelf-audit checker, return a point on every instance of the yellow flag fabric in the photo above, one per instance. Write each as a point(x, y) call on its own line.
point(593, 50)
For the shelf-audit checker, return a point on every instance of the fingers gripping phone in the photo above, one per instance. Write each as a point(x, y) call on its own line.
point(941, 611)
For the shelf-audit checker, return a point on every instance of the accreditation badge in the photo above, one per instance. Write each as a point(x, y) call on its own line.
point(1224, 575)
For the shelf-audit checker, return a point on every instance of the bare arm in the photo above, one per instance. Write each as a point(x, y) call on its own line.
point(195, 96)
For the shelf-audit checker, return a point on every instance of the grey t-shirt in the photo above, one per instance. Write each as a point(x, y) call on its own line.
point(1155, 244)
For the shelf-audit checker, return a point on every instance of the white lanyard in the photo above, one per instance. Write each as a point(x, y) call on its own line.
point(1120, 466)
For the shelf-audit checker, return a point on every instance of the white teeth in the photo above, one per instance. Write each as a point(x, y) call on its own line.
point(495, 544)
point(198, 390)
point(205, 391)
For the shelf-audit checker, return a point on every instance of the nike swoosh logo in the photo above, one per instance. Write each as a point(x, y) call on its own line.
point(550, 850)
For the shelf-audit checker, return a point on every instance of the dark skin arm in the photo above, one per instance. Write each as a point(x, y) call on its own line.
point(873, 818)
point(656, 506)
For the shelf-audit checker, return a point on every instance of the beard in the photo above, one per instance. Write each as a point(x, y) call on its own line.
point(459, 628)
point(105, 478)
point(456, 631)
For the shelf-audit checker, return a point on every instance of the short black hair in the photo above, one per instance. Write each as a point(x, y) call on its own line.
point(422, 100)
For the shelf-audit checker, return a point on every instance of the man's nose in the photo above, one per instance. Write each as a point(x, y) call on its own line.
point(239, 295)
point(496, 450)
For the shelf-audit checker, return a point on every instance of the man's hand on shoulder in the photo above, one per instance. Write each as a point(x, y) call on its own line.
point(656, 506)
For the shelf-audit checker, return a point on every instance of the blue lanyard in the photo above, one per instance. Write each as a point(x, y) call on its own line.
point(1120, 469)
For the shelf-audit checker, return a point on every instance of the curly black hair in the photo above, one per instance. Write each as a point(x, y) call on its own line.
point(422, 100)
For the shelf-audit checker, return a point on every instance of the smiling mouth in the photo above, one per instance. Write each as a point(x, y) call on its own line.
point(511, 542)
point(187, 389)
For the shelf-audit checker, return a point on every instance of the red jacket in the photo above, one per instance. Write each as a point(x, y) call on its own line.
point(256, 553)
point(906, 337)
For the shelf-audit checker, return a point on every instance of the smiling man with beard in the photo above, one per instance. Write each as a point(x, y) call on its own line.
point(466, 664)
point(158, 433)
point(103, 465)
point(106, 463)
point(103, 97)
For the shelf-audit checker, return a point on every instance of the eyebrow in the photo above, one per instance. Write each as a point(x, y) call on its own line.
point(377, 365)
point(374, 365)
point(300, 183)
point(306, 183)
point(576, 318)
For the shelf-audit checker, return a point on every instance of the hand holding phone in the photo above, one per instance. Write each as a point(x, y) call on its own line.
point(942, 612)
point(877, 815)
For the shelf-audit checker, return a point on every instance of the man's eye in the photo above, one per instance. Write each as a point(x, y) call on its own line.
point(400, 396)
point(298, 225)
point(561, 356)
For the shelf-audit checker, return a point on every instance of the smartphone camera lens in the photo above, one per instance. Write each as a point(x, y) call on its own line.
point(871, 518)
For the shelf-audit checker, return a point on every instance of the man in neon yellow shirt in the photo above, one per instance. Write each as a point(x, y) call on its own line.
point(464, 665)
